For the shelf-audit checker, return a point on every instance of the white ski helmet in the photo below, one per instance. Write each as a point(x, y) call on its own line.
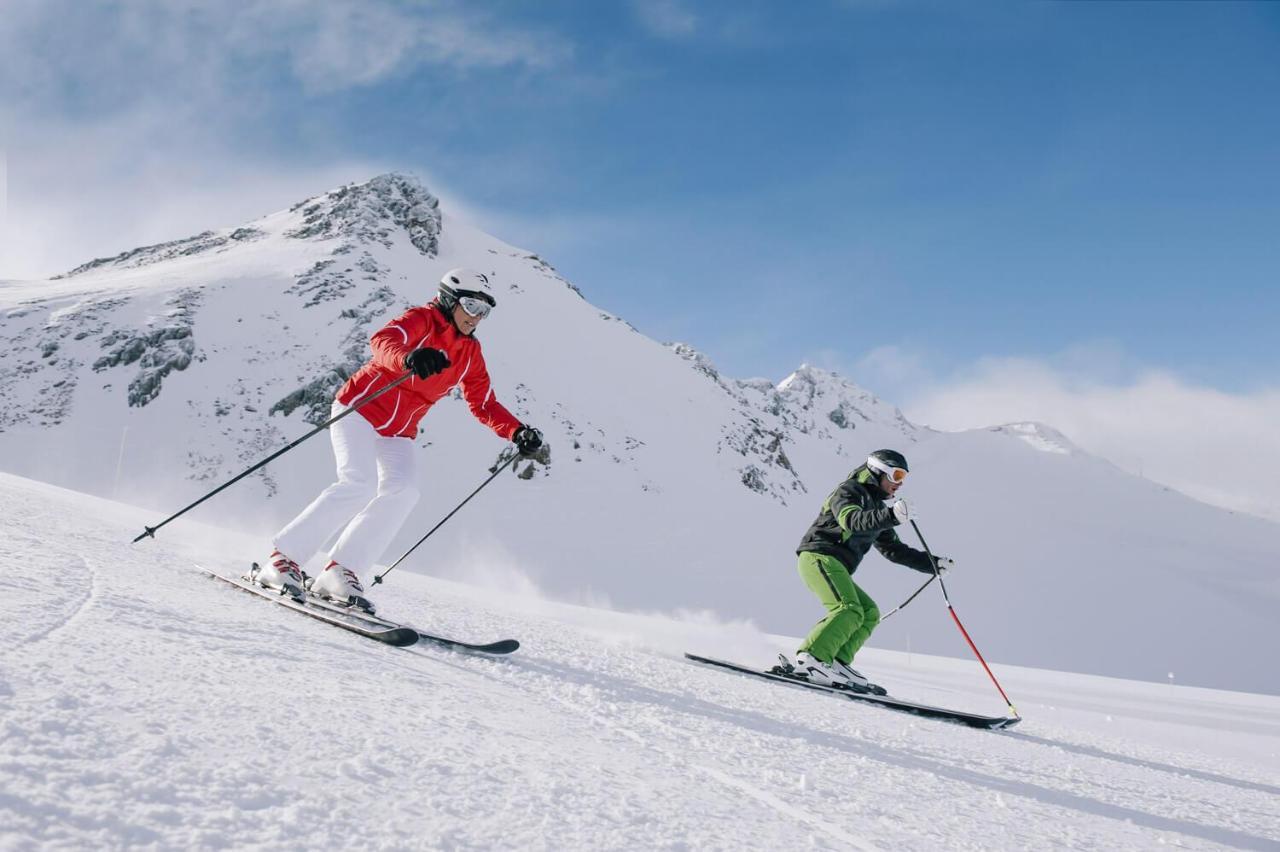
point(468, 287)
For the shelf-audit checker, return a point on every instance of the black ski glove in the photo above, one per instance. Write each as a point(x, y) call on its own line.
point(425, 362)
point(528, 441)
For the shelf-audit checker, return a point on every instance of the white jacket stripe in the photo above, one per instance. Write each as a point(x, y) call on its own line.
point(392, 418)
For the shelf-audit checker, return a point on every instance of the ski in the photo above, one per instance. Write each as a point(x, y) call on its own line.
point(498, 648)
point(391, 635)
point(973, 720)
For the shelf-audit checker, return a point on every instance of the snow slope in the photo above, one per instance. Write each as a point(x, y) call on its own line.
point(152, 376)
point(144, 705)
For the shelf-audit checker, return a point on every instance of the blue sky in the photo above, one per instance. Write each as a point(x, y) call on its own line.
point(1011, 179)
point(925, 196)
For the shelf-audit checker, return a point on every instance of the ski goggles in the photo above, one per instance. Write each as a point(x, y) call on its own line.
point(476, 304)
point(895, 474)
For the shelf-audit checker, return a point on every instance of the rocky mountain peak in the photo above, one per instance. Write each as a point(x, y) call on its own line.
point(373, 211)
point(814, 393)
point(696, 359)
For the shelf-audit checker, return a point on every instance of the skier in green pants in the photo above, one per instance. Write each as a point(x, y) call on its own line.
point(853, 519)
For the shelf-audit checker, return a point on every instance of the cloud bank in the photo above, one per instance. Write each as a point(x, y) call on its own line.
point(1217, 446)
point(127, 123)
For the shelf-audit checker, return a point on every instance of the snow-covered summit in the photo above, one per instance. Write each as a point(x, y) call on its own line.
point(1040, 436)
point(358, 214)
point(822, 394)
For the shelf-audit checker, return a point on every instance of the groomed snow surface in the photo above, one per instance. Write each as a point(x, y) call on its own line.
point(143, 705)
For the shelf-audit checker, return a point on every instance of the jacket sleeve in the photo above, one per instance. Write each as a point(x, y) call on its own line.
point(395, 340)
point(478, 393)
point(856, 511)
point(896, 550)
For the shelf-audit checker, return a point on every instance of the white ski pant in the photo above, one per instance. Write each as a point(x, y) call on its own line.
point(369, 503)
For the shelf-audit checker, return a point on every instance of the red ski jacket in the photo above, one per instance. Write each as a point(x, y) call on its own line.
point(396, 413)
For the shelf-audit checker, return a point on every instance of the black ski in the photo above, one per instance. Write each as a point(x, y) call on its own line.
point(973, 720)
point(392, 635)
point(502, 646)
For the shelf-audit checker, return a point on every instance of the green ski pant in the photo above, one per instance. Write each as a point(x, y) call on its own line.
point(851, 614)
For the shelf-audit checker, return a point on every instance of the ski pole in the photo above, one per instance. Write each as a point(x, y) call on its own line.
point(910, 599)
point(956, 618)
point(150, 532)
point(506, 464)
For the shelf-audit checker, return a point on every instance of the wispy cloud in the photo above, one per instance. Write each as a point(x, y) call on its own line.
point(133, 122)
point(101, 190)
point(742, 25)
point(132, 50)
point(666, 18)
point(885, 367)
point(347, 43)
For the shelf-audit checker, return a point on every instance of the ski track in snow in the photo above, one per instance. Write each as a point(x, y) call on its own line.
point(142, 704)
point(674, 758)
point(81, 589)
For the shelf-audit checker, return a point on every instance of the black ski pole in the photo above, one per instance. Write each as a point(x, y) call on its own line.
point(506, 464)
point(150, 532)
point(934, 562)
point(910, 599)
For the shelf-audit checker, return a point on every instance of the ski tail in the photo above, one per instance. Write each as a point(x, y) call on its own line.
point(400, 637)
point(366, 623)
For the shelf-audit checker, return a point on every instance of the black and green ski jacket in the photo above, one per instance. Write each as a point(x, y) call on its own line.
point(854, 518)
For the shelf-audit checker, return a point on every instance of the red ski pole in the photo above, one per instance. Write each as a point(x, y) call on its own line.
point(956, 618)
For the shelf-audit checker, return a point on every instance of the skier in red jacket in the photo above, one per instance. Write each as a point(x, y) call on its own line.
point(376, 486)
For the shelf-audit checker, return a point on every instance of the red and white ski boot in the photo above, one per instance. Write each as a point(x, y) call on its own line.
point(340, 586)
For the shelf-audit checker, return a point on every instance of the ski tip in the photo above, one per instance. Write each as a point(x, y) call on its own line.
point(505, 646)
point(400, 637)
point(501, 647)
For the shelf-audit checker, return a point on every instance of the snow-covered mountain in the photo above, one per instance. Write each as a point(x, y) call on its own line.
point(143, 705)
point(154, 375)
